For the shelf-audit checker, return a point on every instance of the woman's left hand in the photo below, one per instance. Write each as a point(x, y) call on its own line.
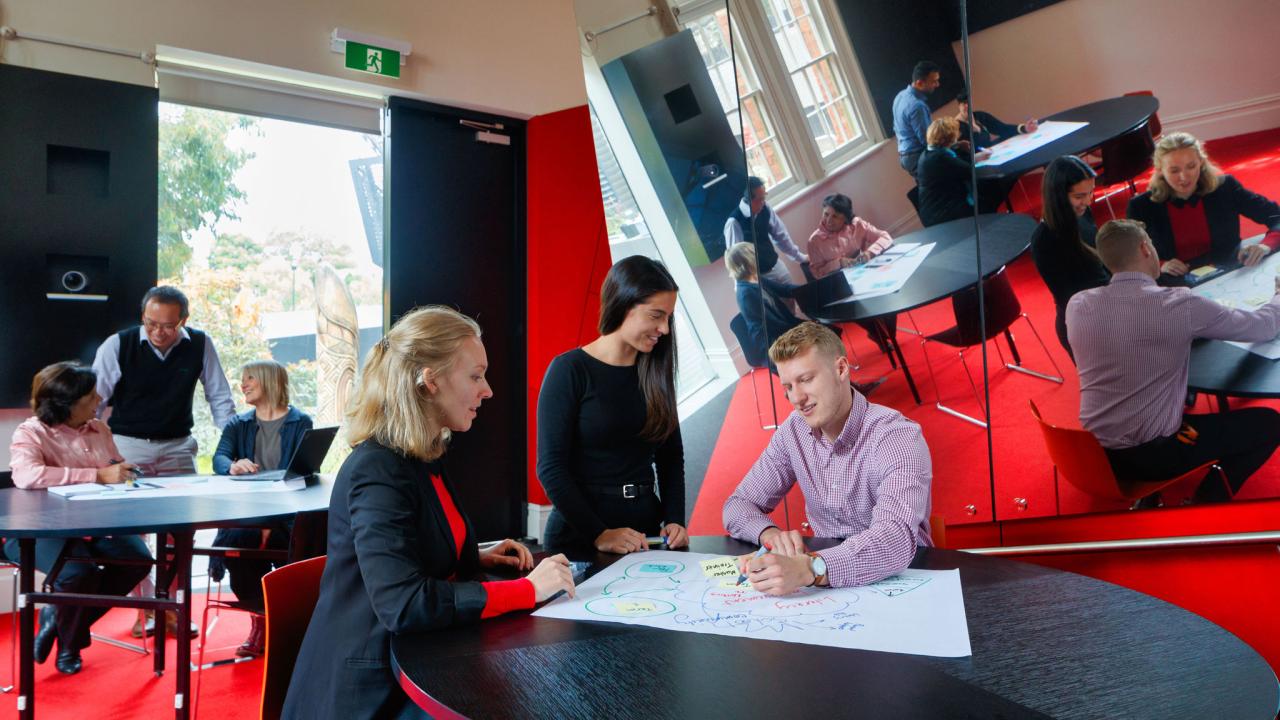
point(507, 553)
point(1252, 255)
point(676, 535)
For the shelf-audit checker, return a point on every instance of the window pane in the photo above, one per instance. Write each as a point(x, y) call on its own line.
point(712, 33)
point(274, 231)
point(801, 34)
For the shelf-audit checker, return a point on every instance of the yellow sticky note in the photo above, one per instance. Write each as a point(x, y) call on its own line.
point(1259, 300)
point(634, 607)
point(1202, 271)
point(720, 567)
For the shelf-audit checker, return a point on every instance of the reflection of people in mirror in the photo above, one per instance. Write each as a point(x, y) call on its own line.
point(842, 240)
point(755, 222)
point(858, 465)
point(1132, 342)
point(1192, 211)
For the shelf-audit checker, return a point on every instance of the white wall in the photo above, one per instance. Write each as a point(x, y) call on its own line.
point(1212, 64)
point(517, 57)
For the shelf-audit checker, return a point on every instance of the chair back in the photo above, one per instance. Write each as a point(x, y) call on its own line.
point(808, 272)
point(750, 352)
point(1002, 308)
point(813, 296)
point(1079, 458)
point(1127, 157)
point(1154, 122)
point(310, 535)
point(938, 530)
point(6, 479)
point(290, 595)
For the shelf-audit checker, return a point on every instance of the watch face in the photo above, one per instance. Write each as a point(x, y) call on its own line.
point(819, 566)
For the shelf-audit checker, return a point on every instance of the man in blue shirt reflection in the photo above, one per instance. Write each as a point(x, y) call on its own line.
point(911, 114)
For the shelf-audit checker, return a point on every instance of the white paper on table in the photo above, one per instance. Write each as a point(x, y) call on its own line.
point(920, 612)
point(886, 273)
point(1247, 289)
point(1019, 145)
point(175, 486)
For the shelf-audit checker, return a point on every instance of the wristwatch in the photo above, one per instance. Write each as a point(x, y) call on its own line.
point(818, 567)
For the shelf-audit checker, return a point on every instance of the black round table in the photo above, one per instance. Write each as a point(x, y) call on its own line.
point(1108, 119)
point(949, 268)
point(1046, 643)
point(1224, 370)
point(30, 514)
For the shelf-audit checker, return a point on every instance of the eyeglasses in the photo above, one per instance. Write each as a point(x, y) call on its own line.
point(152, 325)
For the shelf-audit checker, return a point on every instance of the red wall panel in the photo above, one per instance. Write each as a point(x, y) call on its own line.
point(568, 249)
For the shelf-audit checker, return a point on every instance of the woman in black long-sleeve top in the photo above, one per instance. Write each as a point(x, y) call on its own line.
point(945, 175)
point(1062, 244)
point(1192, 211)
point(401, 553)
point(607, 422)
point(987, 128)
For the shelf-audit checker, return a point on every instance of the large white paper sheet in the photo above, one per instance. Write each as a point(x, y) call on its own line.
point(174, 486)
point(1019, 145)
point(920, 612)
point(886, 273)
point(1247, 289)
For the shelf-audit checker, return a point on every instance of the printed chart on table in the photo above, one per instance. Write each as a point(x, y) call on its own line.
point(886, 273)
point(1247, 289)
point(1019, 145)
point(920, 612)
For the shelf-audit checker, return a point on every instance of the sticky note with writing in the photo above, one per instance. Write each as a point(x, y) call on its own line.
point(634, 607)
point(1202, 271)
point(720, 567)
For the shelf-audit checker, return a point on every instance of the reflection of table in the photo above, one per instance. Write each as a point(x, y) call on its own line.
point(949, 268)
point(30, 514)
point(1108, 119)
point(1046, 643)
point(1225, 370)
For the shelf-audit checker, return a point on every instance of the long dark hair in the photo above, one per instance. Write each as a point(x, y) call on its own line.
point(631, 281)
point(1063, 173)
point(57, 388)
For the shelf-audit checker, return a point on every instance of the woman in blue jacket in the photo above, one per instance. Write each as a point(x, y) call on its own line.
point(263, 438)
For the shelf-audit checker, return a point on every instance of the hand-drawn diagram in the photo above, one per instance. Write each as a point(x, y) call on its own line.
point(917, 611)
point(1019, 145)
point(1247, 289)
point(886, 273)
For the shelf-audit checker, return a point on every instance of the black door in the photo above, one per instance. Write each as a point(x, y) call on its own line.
point(457, 237)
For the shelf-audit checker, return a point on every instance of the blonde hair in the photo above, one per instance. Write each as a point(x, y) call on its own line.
point(741, 260)
point(804, 336)
point(1118, 242)
point(1210, 175)
point(273, 378)
point(390, 405)
point(943, 132)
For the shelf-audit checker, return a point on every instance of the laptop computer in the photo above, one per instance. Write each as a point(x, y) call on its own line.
point(306, 459)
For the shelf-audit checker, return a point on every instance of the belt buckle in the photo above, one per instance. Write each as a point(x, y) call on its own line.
point(629, 491)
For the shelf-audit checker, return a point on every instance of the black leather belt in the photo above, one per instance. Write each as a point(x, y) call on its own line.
point(630, 491)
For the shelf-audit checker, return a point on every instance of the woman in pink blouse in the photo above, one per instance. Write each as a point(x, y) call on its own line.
point(65, 444)
point(843, 240)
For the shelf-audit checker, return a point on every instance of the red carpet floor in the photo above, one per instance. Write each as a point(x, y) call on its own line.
point(117, 683)
point(959, 450)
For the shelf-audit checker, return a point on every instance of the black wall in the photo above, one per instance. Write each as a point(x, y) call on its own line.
point(456, 236)
point(78, 162)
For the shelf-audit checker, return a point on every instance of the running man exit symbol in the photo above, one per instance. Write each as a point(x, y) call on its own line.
point(374, 60)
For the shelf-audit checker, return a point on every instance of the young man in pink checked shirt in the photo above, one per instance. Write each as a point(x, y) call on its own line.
point(864, 470)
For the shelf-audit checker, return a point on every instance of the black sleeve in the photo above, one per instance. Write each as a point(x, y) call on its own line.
point(1250, 204)
point(384, 504)
point(558, 405)
point(669, 463)
point(995, 126)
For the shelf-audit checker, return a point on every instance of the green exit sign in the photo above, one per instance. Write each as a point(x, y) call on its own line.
point(375, 60)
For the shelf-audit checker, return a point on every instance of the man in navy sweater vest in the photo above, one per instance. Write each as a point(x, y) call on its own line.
point(148, 374)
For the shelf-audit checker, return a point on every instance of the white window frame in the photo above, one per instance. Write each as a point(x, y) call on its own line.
point(779, 96)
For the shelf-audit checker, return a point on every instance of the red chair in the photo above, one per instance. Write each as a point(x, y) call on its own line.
point(1080, 460)
point(291, 593)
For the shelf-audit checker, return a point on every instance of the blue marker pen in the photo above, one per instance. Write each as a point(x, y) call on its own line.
point(743, 577)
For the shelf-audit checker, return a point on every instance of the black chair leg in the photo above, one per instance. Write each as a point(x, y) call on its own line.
point(1013, 348)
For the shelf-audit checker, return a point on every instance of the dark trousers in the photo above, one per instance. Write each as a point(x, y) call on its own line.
point(246, 574)
point(87, 577)
point(1241, 441)
point(1060, 325)
point(873, 330)
point(910, 161)
point(642, 514)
